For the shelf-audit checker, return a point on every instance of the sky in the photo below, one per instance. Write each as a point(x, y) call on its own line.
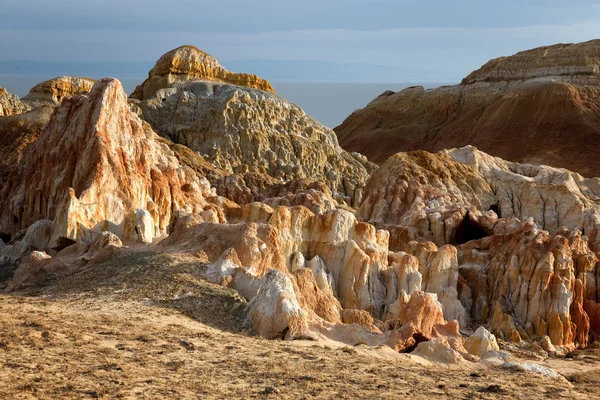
point(318, 40)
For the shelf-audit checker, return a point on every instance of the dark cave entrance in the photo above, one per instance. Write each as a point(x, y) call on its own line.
point(468, 230)
point(495, 208)
point(417, 338)
point(5, 237)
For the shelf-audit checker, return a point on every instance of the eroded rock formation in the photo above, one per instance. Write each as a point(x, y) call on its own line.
point(414, 255)
point(51, 92)
point(245, 130)
point(518, 108)
point(95, 168)
point(187, 63)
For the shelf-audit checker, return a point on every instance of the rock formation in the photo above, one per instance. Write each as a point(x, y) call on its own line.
point(518, 108)
point(245, 130)
point(529, 273)
point(94, 168)
point(51, 92)
point(412, 255)
point(187, 63)
point(10, 104)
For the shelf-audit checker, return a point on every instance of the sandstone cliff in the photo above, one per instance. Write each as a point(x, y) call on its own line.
point(187, 63)
point(540, 106)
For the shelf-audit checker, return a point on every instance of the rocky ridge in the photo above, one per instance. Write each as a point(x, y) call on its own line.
point(517, 108)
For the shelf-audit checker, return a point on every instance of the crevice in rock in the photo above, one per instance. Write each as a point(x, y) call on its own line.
point(495, 208)
point(468, 230)
point(417, 338)
point(62, 243)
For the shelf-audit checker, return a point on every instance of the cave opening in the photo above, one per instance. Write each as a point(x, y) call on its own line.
point(468, 230)
point(495, 208)
point(417, 338)
point(63, 243)
point(5, 237)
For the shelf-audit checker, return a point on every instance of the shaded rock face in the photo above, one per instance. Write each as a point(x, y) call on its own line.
point(10, 104)
point(517, 108)
point(246, 130)
point(95, 168)
point(53, 91)
point(187, 63)
point(17, 132)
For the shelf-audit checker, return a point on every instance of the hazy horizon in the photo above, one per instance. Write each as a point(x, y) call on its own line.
point(337, 40)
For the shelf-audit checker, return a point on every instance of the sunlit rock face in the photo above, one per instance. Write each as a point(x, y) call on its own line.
point(243, 129)
point(53, 91)
point(94, 167)
point(187, 63)
point(518, 108)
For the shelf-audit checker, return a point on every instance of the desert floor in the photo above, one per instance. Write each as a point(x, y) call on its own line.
point(148, 327)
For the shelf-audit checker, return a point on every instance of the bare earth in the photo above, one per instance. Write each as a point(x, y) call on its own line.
point(167, 333)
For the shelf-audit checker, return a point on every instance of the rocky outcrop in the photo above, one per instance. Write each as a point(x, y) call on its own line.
point(441, 197)
point(187, 63)
point(518, 108)
point(53, 91)
point(243, 130)
point(10, 104)
point(527, 274)
point(94, 168)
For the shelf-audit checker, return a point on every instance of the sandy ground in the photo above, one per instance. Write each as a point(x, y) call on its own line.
point(148, 334)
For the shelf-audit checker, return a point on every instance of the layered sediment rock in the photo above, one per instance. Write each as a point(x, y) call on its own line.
point(245, 130)
point(518, 108)
point(187, 63)
point(95, 168)
point(53, 91)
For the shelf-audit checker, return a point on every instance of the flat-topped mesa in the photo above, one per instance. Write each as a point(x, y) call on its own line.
point(97, 167)
point(52, 91)
point(573, 62)
point(187, 63)
point(540, 106)
point(10, 104)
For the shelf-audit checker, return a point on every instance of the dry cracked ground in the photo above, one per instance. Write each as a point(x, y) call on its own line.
point(147, 326)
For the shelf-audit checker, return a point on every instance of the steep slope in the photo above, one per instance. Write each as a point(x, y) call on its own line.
point(539, 106)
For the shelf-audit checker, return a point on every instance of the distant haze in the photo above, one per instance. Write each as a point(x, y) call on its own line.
point(329, 103)
point(310, 40)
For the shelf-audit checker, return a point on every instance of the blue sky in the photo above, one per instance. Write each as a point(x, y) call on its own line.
point(431, 40)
